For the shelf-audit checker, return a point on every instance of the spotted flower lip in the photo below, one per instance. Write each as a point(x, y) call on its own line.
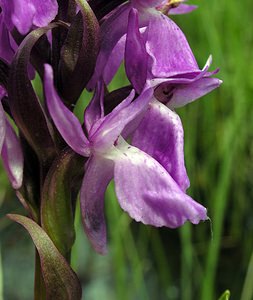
point(144, 187)
point(23, 14)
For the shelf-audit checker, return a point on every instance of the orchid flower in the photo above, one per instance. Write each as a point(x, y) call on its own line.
point(114, 29)
point(144, 188)
point(23, 14)
point(168, 64)
point(10, 150)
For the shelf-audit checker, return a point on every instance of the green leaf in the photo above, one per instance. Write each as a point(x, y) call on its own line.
point(60, 280)
point(225, 295)
point(24, 103)
point(56, 207)
point(79, 53)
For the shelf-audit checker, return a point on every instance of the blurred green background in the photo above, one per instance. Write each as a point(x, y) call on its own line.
point(193, 262)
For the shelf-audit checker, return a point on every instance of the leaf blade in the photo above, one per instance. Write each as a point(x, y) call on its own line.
point(60, 280)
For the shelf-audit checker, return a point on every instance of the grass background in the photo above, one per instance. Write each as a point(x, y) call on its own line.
point(193, 262)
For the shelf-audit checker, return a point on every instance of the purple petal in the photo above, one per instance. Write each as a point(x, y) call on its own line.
point(182, 9)
point(187, 93)
point(97, 176)
point(114, 61)
point(113, 124)
point(6, 50)
point(110, 124)
point(149, 194)
point(8, 46)
point(161, 135)
point(95, 109)
point(12, 156)
point(2, 124)
point(112, 30)
point(65, 121)
point(25, 13)
point(184, 88)
point(169, 49)
point(136, 57)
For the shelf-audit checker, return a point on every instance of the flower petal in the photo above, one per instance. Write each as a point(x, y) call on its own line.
point(97, 176)
point(23, 14)
point(6, 50)
point(168, 48)
point(65, 121)
point(114, 123)
point(187, 93)
point(95, 109)
point(160, 134)
point(136, 57)
point(149, 194)
point(12, 156)
point(184, 88)
point(112, 29)
point(114, 61)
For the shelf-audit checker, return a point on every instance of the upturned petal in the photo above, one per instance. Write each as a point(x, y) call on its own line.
point(25, 13)
point(136, 58)
point(98, 174)
point(112, 29)
point(65, 121)
point(95, 109)
point(114, 61)
point(12, 156)
point(160, 134)
point(170, 52)
point(149, 194)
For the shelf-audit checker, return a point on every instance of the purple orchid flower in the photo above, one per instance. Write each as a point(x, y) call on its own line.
point(114, 28)
point(23, 14)
point(8, 46)
point(144, 188)
point(10, 149)
point(167, 60)
point(177, 80)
